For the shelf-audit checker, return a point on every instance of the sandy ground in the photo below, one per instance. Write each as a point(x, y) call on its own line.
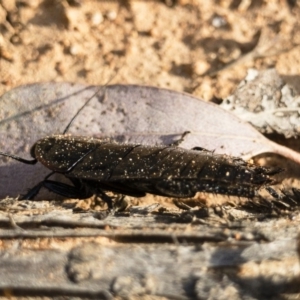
point(182, 45)
point(201, 47)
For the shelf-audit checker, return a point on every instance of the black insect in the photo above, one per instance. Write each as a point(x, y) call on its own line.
point(94, 166)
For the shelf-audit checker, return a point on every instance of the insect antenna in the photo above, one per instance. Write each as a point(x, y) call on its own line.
point(88, 101)
point(20, 159)
point(80, 109)
point(34, 161)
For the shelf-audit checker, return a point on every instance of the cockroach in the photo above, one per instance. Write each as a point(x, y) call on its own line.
point(94, 166)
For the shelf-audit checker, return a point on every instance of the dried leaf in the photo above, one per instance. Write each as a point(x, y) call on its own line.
point(128, 113)
point(265, 101)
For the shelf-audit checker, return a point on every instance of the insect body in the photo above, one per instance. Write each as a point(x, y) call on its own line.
point(94, 165)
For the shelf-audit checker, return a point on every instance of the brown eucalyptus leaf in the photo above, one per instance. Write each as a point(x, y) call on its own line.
point(267, 102)
point(127, 113)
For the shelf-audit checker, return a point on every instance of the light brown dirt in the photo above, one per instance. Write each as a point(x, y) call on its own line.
point(185, 46)
point(172, 44)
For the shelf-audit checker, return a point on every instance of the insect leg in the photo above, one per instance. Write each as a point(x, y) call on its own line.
point(60, 188)
point(35, 190)
point(106, 199)
point(66, 190)
point(178, 142)
point(32, 192)
point(282, 201)
point(82, 189)
point(273, 193)
point(201, 149)
point(77, 190)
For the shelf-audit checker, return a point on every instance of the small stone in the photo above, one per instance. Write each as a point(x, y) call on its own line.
point(74, 50)
point(8, 5)
point(218, 21)
point(6, 54)
point(97, 18)
point(201, 66)
point(111, 15)
point(33, 3)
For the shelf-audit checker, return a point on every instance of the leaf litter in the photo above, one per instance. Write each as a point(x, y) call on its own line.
point(125, 113)
point(271, 105)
